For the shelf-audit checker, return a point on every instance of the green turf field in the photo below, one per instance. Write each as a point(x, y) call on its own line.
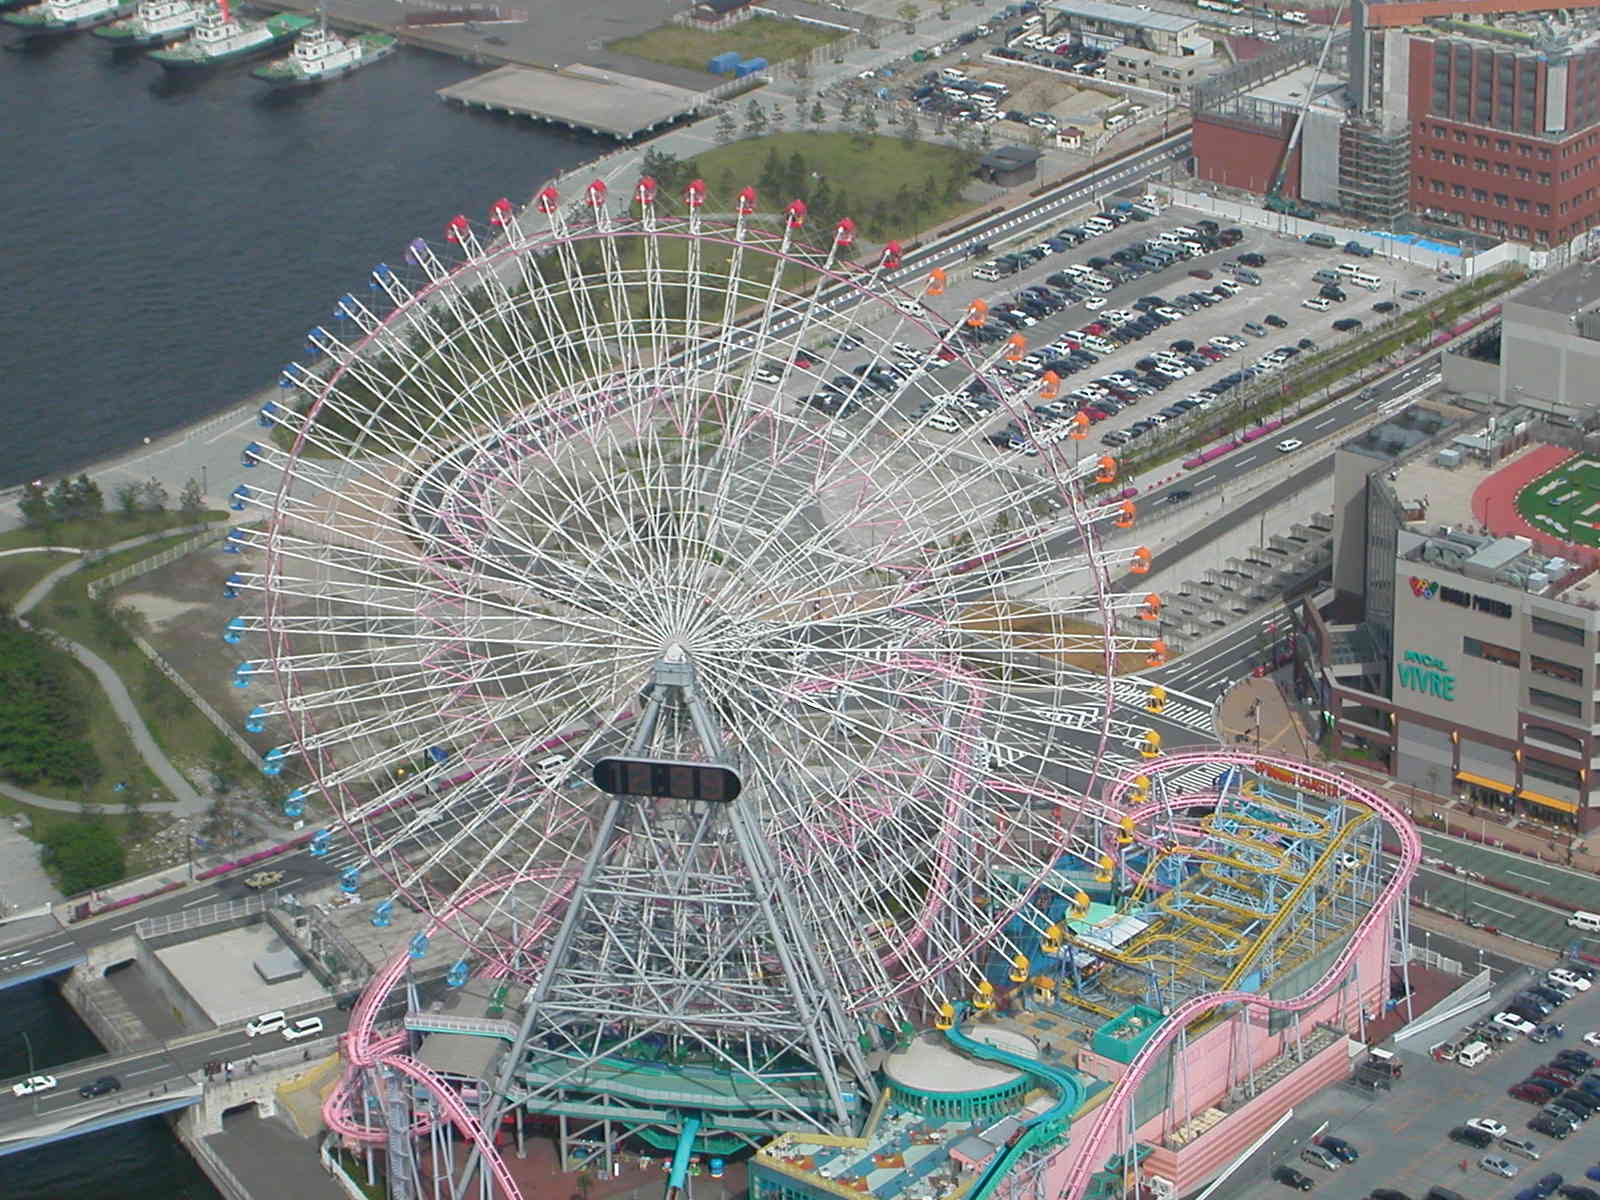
point(1565, 502)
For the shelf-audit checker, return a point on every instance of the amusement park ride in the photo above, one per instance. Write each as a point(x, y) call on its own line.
point(756, 775)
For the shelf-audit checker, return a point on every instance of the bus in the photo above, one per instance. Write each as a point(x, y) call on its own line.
point(1222, 6)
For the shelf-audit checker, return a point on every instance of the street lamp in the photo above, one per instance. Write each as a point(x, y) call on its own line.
point(32, 1067)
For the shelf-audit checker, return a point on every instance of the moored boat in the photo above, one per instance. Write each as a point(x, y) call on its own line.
point(320, 55)
point(67, 16)
point(219, 37)
point(155, 23)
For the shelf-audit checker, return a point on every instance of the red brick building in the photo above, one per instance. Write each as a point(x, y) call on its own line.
point(1505, 137)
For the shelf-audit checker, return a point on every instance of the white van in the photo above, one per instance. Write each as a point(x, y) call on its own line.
point(952, 73)
point(1587, 921)
point(943, 422)
point(1147, 207)
point(1098, 225)
point(1472, 1054)
point(551, 767)
point(303, 1028)
point(1364, 279)
point(1347, 269)
point(988, 272)
point(271, 1022)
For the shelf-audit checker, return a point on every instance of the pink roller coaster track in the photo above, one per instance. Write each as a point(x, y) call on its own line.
point(365, 1051)
point(1374, 924)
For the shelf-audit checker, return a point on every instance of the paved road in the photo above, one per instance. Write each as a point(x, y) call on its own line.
point(1461, 897)
point(1509, 869)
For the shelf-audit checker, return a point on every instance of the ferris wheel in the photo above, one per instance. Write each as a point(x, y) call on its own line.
point(581, 496)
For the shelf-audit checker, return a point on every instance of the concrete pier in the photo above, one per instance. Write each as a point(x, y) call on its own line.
point(579, 97)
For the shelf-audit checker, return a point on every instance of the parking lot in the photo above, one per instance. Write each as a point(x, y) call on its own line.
point(1285, 281)
point(1403, 1135)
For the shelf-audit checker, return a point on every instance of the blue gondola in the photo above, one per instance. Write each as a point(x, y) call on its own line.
point(294, 805)
point(419, 945)
point(256, 721)
point(381, 274)
point(438, 753)
point(242, 673)
point(234, 631)
point(231, 585)
point(314, 346)
point(383, 914)
point(272, 764)
point(250, 455)
point(350, 880)
point(238, 498)
point(457, 975)
point(269, 410)
point(319, 843)
point(234, 541)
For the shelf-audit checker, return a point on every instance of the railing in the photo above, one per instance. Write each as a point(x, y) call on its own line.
point(210, 914)
point(97, 587)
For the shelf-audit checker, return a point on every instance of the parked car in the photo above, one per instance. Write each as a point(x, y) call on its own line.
point(1498, 1164)
point(1275, 321)
point(1489, 1125)
point(1340, 1148)
point(1289, 1177)
point(1468, 1136)
point(1551, 1127)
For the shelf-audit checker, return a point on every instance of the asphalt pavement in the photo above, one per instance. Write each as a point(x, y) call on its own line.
point(1403, 1135)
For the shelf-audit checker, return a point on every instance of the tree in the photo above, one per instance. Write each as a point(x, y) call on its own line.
point(34, 505)
point(755, 119)
point(818, 113)
point(847, 107)
point(44, 723)
point(779, 118)
point(869, 30)
point(802, 102)
point(909, 13)
point(128, 499)
point(192, 502)
point(153, 496)
point(84, 855)
point(910, 130)
point(727, 127)
point(985, 139)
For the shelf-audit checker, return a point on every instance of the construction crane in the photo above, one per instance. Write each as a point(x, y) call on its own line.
point(1276, 201)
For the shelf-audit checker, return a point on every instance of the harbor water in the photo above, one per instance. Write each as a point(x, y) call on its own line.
point(166, 249)
point(169, 243)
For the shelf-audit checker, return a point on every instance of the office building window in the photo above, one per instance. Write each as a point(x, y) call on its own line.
point(1540, 698)
point(1505, 656)
point(1550, 773)
point(1565, 672)
point(1559, 630)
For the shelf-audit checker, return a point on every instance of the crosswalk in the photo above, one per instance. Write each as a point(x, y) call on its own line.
point(1189, 713)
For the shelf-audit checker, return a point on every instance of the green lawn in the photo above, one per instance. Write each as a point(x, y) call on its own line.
point(19, 572)
point(1565, 502)
point(763, 37)
point(103, 531)
point(891, 187)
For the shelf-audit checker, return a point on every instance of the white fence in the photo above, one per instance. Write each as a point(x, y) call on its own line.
point(98, 587)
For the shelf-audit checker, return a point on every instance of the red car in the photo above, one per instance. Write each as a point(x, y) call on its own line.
point(1093, 327)
point(946, 354)
point(1531, 1091)
point(1564, 1078)
point(800, 360)
point(1095, 415)
point(1210, 353)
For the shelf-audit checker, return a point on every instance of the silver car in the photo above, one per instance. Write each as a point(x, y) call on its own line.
point(1499, 1165)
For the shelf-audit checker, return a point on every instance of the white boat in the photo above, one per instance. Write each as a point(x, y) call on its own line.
point(220, 37)
point(320, 55)
point(156, 23)
point(67, 16)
